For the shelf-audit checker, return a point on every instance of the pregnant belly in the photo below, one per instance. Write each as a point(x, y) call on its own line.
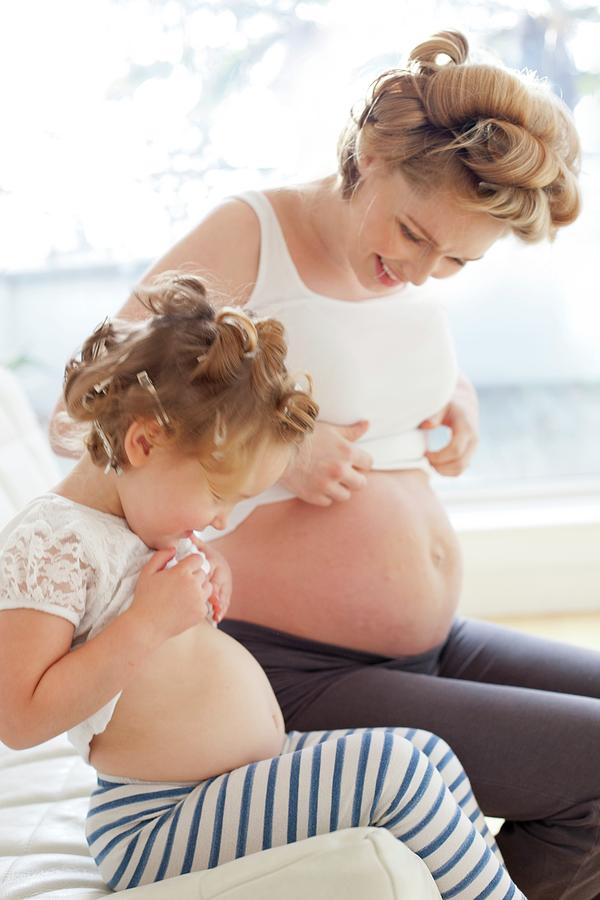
point(201, 705)
point(380, 572)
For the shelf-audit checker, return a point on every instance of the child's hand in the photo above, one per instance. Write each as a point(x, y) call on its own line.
point(220, 577)
point(172, 600)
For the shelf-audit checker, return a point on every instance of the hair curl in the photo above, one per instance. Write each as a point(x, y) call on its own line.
point(505, 143)
point(218, 382)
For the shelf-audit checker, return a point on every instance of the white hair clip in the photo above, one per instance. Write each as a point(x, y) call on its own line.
point(95, 391)
point(110, 453)
point(100, 388)
point(146, 382)
point(220, 436)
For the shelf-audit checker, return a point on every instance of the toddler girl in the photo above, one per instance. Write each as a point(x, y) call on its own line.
point(107, 634)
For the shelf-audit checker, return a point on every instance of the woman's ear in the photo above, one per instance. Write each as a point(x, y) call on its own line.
point(365, 161)
point(141, 438)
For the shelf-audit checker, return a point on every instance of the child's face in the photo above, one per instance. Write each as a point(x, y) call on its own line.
point(170, 495)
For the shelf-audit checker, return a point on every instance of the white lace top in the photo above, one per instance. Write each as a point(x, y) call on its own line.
point(72, 561)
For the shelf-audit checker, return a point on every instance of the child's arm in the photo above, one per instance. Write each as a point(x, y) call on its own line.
point(45, 689)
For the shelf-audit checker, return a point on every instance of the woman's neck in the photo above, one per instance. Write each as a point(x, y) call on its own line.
point(318, 225)
point(327, 216)
point(87, 484)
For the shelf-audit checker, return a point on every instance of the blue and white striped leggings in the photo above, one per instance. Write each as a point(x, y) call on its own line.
point(405, 780)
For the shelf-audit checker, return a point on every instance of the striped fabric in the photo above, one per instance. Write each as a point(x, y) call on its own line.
point(405, 780)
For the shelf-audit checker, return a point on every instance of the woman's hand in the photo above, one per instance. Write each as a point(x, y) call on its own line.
point(220, 578)
point(329, 465)
point(461, 416)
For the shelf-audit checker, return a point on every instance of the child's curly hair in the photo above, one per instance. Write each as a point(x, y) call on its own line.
point(214, 379)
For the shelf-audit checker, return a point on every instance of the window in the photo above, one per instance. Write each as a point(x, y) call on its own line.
point(128, 120)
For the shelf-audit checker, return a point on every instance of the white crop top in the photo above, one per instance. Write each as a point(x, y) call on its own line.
point(389, 360)
point(75, 562)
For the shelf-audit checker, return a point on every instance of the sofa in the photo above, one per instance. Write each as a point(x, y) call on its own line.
point(44, 790)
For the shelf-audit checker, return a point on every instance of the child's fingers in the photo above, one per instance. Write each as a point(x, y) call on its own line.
point(192, 563)
point(159, 560)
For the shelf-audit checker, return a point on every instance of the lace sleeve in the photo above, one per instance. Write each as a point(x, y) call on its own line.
point(45, 569)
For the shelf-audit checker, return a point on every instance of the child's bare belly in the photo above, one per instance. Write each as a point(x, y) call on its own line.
point(200, 706)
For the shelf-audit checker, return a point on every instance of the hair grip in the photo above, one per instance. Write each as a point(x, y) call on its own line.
point(146, 382)
point(108, 449)
point(219, 437)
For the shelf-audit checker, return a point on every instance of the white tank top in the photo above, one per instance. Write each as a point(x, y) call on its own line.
point(389, 360)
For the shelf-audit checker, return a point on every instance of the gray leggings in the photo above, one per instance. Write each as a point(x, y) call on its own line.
point(521, 713)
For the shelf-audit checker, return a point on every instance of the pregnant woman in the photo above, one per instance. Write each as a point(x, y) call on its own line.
point(347, 574)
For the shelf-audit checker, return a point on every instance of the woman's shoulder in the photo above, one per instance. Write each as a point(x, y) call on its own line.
point(224, 246)
point(232, 216)
point(238, 223)
point(293, 204)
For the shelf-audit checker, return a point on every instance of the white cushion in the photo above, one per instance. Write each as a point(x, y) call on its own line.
point(356, 864)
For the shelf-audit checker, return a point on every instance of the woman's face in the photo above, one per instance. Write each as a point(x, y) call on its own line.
point(398, 235)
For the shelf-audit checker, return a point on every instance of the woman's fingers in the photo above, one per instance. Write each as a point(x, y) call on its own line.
point(361, 459)
point(353, 480)
point(454, 458)
point(339, 492)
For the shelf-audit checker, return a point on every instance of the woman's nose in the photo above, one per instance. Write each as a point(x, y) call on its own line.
point(420, 267)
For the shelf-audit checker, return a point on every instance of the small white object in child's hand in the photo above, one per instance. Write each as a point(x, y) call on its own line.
point(185, 547)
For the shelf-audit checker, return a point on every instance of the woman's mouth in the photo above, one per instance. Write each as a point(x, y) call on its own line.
point(385, 275)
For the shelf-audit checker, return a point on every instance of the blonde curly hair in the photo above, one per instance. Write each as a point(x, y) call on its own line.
point(214, 379)
point(504, 142)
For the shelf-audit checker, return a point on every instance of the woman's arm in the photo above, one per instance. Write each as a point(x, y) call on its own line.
point(45, 688)
point(225, 247)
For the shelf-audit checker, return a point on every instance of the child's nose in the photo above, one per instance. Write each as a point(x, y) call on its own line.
point(220, 521)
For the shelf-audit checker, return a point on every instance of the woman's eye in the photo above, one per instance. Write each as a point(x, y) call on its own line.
point(459, 262)
point(409, 235)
